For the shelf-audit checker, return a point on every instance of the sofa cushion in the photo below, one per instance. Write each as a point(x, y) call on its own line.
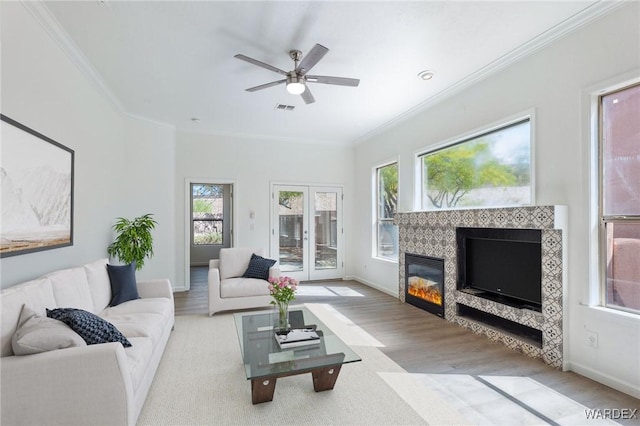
point(71, 288)
point(37, 334)
point(123, 283)
point(92, 328)
point(152, 305)
point(258, 267)
point(37, 294)
point(141, 318)
point(99, 284)
point(234, 261)
point(243, 287)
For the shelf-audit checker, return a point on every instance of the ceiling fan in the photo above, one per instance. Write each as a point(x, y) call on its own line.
point(298, 78)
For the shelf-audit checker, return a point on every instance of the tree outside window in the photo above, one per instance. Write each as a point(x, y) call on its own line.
point(387, 201)
point(492, 169)
point(207, 214)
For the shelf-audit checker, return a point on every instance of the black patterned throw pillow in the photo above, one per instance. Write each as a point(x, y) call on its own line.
point(90, 327)
point(258, 267)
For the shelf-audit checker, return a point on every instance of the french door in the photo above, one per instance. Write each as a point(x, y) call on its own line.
point(306, 231)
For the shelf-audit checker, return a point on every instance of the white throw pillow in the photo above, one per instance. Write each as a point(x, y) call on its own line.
point(37, 334)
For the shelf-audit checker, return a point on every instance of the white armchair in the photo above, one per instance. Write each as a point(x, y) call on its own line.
point(229, 290)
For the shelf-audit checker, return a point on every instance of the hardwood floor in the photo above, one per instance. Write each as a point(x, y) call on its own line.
point(423, 343)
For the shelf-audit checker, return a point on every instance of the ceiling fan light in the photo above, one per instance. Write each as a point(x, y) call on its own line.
point(296, 88)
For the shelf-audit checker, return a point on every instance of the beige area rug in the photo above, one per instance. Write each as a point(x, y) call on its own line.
point(201, 381)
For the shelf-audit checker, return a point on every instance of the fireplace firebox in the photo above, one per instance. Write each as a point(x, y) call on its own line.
point(424, 282)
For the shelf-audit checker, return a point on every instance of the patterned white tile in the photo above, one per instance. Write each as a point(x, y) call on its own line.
point(437, 238)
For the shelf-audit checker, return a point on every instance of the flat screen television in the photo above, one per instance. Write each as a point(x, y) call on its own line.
point(503, 263)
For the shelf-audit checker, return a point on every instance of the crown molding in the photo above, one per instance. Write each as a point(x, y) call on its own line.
point(586, 16)
point(42, 15)
point(259, 137)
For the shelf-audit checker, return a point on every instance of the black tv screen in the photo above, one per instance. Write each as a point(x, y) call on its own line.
point(504, 262)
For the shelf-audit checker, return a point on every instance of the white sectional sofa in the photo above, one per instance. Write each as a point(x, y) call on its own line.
point(99, 384)
point(229, 290)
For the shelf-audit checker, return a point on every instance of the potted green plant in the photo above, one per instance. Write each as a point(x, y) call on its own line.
point(134, 241)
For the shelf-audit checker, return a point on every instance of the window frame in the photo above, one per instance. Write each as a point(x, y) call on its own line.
point(377, 220)
point(193, 220)
point(598, 182)
point(419, 179)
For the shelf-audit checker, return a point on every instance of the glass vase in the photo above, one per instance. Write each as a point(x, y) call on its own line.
point(282, 317)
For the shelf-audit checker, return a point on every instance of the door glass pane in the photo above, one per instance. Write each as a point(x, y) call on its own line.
point(326, 230)
point(291, 217)
point(207, 210)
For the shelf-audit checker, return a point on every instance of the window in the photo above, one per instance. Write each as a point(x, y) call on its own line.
point(386, 205)
point(489, 169)
point(620, 197)
point(207, 211)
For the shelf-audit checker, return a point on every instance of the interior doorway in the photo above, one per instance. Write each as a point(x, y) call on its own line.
point(209, 222)
point(307, 232)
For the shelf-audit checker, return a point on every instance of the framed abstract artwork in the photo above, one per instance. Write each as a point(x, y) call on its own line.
point(36, 173)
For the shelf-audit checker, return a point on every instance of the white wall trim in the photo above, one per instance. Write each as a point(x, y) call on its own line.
point(255, 136)
point(617, 384)
point(52, 26)
point(569, 25)
point(361, 280)
point(41, 13)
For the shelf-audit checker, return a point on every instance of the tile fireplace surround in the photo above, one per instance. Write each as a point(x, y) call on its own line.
point(433, 234)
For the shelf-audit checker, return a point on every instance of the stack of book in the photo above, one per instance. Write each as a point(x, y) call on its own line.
point(297, 337)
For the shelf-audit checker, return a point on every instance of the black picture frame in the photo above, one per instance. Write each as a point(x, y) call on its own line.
point(37, 191)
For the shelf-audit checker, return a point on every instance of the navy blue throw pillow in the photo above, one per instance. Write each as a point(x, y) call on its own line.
point(258, 267)
point(90, 327)
point(123, 283)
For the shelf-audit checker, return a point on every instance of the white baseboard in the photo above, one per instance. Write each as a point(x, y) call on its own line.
point(373, 285)
point(179, 289)
point(605, 379)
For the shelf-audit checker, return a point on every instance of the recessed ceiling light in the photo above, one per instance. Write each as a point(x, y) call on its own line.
point(195, 119)
point(426, 75)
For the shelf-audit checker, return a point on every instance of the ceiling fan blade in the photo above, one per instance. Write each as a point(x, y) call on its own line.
point(265, 86)
point(260, 64)
point(310, 59)
point(339, 81)
point(307, 96)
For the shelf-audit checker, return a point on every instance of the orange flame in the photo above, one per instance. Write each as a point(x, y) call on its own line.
point(418, 288)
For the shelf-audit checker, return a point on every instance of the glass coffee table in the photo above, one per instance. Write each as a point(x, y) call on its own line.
point(265, 361)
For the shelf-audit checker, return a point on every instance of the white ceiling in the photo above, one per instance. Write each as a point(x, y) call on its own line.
point(169, 61)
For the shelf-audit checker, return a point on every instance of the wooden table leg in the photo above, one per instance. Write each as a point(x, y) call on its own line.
point(262, 389)
point(325, 378)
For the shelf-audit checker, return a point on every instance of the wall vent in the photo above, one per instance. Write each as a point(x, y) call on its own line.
point(282, 107)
